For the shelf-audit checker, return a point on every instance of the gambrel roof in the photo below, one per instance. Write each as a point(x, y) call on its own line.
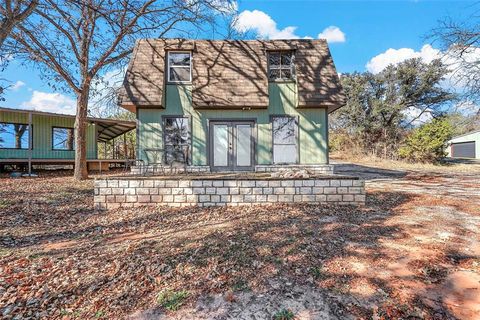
point(231, 74)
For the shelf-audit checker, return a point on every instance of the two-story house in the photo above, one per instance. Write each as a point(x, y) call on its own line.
point(232, 105)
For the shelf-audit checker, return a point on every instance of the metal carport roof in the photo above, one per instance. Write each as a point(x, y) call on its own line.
point(108, 128)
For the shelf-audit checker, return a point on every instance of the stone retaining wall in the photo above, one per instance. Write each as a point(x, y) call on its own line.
point(131, 192)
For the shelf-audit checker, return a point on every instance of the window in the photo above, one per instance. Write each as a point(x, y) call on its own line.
point(176, 138)
point(284, 139)
point(281, 65)
point(14, 136)
point(179, 67)
point(62, 139)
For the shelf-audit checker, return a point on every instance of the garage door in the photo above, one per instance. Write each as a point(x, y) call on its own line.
point(463, 150)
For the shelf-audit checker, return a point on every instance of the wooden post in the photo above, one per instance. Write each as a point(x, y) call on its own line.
point(105, 150)
point(125, 146)
point(30, 143)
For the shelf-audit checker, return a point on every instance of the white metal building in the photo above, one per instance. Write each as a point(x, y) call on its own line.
point(465, 146)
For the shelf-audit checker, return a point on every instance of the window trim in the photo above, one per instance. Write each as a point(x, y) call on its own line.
point(190, 151)
point(25, 124)
point(168, 67)
point(59, 127)
point(292, 66)
point(297, 138)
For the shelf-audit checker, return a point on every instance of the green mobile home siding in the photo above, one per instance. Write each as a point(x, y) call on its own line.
point(42, 137)
point(283, 100)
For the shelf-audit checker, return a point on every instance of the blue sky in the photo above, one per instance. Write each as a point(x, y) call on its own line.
point(360, 33)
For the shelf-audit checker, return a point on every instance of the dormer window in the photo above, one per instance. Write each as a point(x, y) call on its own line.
point(281, 66)
point(179, 66)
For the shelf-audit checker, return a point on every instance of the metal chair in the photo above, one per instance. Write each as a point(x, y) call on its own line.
point(184, 151)
point(129, 163)
point(158, 159)
point(155, 159)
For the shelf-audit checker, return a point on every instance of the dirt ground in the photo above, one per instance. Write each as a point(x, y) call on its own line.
point(412, 252)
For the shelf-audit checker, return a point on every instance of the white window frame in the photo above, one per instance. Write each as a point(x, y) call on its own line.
point(168, 67)
point(297, 140)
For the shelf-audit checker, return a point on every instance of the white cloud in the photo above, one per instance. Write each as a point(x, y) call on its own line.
point(225, 6)
point(266, 28)
point(103, 95)
point(218, 6)
point(413, 115)
point(332, 34)
point(454, 80)
point(394, 56)
point(17, 85)
point(263, 25)
point(102, 90)
point(6, 58)
point(467, 107)
point(50, 102)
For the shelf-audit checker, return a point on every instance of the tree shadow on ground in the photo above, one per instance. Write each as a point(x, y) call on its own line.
point(130, 259)
point(368, 173)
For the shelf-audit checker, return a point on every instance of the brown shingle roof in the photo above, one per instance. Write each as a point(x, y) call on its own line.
point(231, 73)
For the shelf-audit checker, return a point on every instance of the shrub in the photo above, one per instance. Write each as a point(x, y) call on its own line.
point(427, 143)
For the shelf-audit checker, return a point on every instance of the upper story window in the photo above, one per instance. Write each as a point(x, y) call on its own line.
point(281, 65)
point(179, 66)
point(14, 136)
point(62, 139)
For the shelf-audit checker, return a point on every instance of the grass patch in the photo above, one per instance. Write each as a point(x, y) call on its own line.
point(316, 272)
point(100, 314)
point(4, 203)
point(284, 314)
point(5, 252)
point(172, 300)
point(240, 285)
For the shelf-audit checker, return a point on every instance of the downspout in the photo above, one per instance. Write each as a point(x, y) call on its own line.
point(326, 136)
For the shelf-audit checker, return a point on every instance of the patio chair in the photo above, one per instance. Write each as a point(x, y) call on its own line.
point(154, 157)
point(129, 163)
point(157, 158)
point(183, 151)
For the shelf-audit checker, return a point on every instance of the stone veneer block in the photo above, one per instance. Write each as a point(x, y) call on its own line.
point(148, 184)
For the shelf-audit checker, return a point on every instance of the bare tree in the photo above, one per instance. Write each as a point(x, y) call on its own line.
point(12, 13)
point(76, 41)
point(460, 41)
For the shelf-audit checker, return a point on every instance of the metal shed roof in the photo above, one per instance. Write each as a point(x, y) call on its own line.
point(108, 128)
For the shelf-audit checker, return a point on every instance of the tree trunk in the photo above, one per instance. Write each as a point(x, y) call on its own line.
point(19, 131)
point(81, 172)
point(70, 138)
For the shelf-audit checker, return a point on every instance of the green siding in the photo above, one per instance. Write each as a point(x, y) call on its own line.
point(42, 137)
point(283, 100)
